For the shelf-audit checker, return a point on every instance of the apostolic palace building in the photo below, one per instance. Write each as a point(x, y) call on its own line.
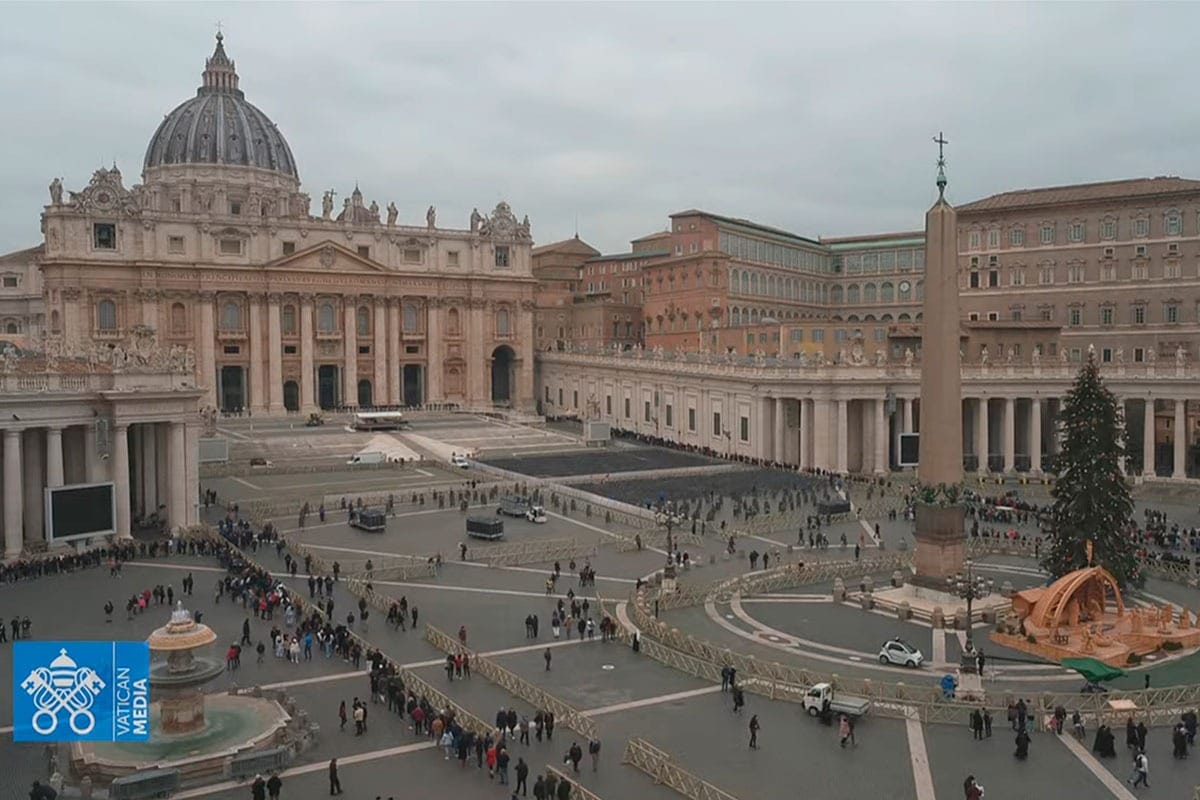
point(213, 284)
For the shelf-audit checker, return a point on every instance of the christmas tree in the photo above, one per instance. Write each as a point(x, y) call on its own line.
point(1091, 498)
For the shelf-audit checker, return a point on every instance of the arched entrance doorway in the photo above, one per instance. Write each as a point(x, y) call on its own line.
point(364, 393)
point(291, 396)
point(233, 388)
point(327, 386)
point(503, 359)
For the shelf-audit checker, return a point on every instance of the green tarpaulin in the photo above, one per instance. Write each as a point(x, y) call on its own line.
point(1092, 669)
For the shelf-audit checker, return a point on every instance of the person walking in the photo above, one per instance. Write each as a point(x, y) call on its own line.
point(972, 789)
point(594, 752)
point(546, 655)
point(843, 729)
point(754, 732)
point(335, 785)
point(977, 724)
point(522, 771)
point(258, 789)
point(274, 784)
point(1141, 770)
point(575, 755)
point(342, 716)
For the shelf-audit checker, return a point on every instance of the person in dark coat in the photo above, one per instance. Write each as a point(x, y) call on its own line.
point(539, 788)
point(274, 784)
point(977, 724)
point(1131, 735)
point(258, 789)
point(522, 771)
point(335, 785)
point(564, 790)
point(1022, 744)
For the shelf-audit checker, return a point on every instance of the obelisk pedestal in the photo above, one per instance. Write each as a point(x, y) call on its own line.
point(939, 529)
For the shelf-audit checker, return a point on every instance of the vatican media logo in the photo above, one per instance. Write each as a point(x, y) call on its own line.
point(81, 691)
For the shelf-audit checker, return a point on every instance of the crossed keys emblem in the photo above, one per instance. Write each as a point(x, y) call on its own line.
point(63, 686)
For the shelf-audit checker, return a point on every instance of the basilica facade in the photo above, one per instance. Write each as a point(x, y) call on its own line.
point(216, 252)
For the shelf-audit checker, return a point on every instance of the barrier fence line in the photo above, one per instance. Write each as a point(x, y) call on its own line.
point(1186, 574)
point(664, 770)
point(658, 538)
point(514, 684)
point(578, 790)
point(532, 552)
point(412, 682)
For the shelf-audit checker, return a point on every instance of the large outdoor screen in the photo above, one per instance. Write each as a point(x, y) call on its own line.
point(80, 510)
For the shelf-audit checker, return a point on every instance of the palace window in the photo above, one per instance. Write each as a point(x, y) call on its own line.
point(364, 251)
point(175, 245)
point(973, 240)
point(1075, 273)
point(362, 322)
point(235, 208)
point(231, 316)
point(178, 318)
point(1047, 234)
point(289, 248)
point(973, 279)
point(106, 315)
point(454, 326)
point(326, 318)
point(410, 318)
point(1075, 232)
point(716, 423)
point(1139, 271)
point(412, 255)
point(289, 319)
point(502, 322)
point(452, 258)
point(993, 239)
point(1108, 229)
point(104, 236)
point(1018, 276)
point(1138, 314)
point(1174, 224)
point(744, 429)
point(502, 259)
point(1016, 237)
point(1108, 272)
point(12, 281)
point(1171, 313)
point(1141, 227)
point(1046, 276)
point(691, 420)
point(230, 247)
point(1106, 315)
point(1171, 269)
point(1075, 317)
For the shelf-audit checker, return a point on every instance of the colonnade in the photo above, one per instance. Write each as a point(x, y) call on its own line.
point(147, 462)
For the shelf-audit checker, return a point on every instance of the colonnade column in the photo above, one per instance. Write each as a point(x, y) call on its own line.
point(843, 436)
point(120, 461)
point(379, 350)
point(393, 351)
point(1010, 427)
point(806, 433)
point(981, 434)
point(1181, 437)
point(350, 350)
point(1148, 466)
point(177, 472)
point(780, 422)
point(206, 359)
point(54, 457)
point(881, 437)
point(1035, 434)
point(14, 522)
point(274, 354)
point(258, 396)
point(307, 377)
point(820, 434)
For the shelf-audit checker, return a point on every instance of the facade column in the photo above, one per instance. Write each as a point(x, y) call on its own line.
point(780, 423)
point(393, 351)
point(843, 436)
point(379, 387)
point(436, 352)
point(820, 433)
point(981, 434)
point(881, 437)
point(206, 359)
point(307, 375)
point(258, 396)
point(120, 461)
point(176, 469)
point(274, 354)
point(148, 468)
point(54, 457)
point(350, 350)
point(477, 357)
point(1035, 435)
point(14, 500)
point(91, 469)
point(1181, 437)
point(1010, 426)
point(33, 451)
point(524, 390)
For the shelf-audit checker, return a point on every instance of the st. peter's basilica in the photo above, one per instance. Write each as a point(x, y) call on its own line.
point(216, 256)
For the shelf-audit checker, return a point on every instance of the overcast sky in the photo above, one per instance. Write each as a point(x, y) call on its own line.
point(811, 117)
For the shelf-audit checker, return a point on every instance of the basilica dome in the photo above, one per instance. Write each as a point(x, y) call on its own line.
point(218, 126)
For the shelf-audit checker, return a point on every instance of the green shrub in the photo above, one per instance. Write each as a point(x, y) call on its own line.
point(1172, 647)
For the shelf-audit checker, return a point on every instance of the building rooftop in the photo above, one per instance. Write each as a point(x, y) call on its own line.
point(1083, 193)
point(650, 237)
point(748, 225)
point(629, 256)
point(23, 256)
point(573, 244)
point(901, 239)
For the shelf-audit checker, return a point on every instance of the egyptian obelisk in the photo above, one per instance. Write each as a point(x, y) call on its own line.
point(939, 530)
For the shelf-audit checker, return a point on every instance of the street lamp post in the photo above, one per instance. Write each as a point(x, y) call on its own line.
point(970, 587)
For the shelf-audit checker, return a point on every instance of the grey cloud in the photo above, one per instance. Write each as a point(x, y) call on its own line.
point(813, 117)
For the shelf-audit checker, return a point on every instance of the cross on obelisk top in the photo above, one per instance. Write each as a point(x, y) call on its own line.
point(941, 142)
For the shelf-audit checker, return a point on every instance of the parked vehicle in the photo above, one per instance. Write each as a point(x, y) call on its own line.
point(536, 514)
point(379, 421)
point(371, 457)
point(314, 420)
point(898, 651)
point(485, 528)
point(512, 505)
point(460, 461)
point(372, 520)
point(821, 698)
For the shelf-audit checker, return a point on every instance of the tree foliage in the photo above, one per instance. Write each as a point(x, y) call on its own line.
point(1091, 498)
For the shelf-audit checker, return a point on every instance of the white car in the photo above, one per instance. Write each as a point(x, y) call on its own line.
point(459, 461)
point(898, 651)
